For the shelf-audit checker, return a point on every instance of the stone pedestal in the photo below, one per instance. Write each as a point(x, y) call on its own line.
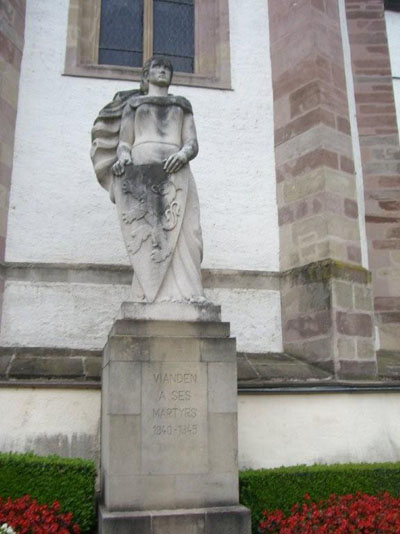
point(169, 423)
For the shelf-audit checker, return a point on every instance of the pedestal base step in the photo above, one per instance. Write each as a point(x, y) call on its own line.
point(219, 520)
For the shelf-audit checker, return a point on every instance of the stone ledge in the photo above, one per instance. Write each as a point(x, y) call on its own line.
point(260, 370)
point(89, 273)
point(61, 365)
point(325, 270)
point(75, 368)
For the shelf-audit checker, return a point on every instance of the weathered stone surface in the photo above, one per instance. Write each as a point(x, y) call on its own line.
point(263, 370)
point(169, 420)
point(170, 328)
point(218, 350)
point(342, 294)
point(155, 193)
point(124, 438)
point(170, 311)
point(325, 270)
point(215, 520)
point(213, 489)
point(389, 364)
point(346, 348)
point(354, 324)
point(174, 418)
point(357, 369)
point(221, 458)
point(92, 366)
point(365, 349)
point(363, 298)
point(12, 28)
point(34, 367)
point(124, 389)
point(324, 307)
point(379, 140)
point(5, 360)
point(68, 365)
point(222, 397)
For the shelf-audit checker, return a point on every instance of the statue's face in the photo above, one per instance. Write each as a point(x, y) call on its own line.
point(159, 74)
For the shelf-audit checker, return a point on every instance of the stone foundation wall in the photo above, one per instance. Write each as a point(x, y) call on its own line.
point(328, 318)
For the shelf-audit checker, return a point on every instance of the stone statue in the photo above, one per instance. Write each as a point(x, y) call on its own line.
point(142, 143)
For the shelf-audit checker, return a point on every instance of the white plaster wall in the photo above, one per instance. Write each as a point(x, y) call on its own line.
point(274, 430)
point(58, 213)
point(279, 430)
point(254, 315)
point(50, 421)
point(393, 33)
point(81, 315)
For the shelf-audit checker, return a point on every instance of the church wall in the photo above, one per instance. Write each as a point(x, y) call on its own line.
point(50, 421)
point(81, 315)
point(59, 214)
point(274, 430)
point(278, 430)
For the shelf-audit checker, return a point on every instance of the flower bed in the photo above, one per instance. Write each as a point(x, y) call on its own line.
point(26, 516)
point(282, 487)
point(346, 514)
point(69, 481)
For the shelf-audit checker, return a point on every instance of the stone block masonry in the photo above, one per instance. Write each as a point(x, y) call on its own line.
point(318, 215)
point(380, 154)
point(328, 318)
point(326, 301)
point(169, 423)
point(12, 16)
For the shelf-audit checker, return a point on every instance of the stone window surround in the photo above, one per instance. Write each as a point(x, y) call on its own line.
point(212, 51)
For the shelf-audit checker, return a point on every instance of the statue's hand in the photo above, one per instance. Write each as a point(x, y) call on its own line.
point(118, 168)
point(175, 162)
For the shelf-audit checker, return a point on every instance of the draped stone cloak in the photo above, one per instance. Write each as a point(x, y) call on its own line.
point(159, 213)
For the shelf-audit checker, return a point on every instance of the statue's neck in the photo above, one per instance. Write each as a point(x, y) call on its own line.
point(156, 90)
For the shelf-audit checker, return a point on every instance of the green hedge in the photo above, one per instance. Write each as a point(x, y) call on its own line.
point(67, 480)
point(71, 482)
point(281, 488)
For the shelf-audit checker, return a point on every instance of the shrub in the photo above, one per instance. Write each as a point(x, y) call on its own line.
point(26, 516)
point(70, 481)
point(281, 488)
point(347, 514)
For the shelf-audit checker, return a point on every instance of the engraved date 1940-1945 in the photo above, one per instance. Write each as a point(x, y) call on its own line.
point(179, 430)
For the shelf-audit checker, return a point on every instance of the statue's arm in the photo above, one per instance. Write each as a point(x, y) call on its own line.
point(126, 139)
point(189, 149)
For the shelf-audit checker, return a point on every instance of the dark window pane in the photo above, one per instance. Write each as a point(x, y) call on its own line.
point(120, 57)
point(121, 32)
point(174, 32)
point(393, 5)
point(181, 64)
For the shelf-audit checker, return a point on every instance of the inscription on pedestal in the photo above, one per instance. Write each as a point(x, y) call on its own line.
point(174, 418)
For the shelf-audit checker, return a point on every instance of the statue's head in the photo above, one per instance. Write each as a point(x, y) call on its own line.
point(157, 70)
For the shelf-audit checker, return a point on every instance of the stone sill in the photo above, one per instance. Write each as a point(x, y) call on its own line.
point(89, 273)
point(47, 367)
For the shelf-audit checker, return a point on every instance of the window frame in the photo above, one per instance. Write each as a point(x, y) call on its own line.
point(212, 49)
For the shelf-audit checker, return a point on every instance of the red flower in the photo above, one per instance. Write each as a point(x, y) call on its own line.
point(346, 514)
point(26, 516)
